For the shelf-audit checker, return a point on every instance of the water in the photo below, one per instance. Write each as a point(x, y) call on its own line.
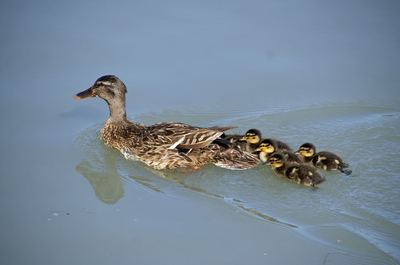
point(361, 205)
point(325, 73)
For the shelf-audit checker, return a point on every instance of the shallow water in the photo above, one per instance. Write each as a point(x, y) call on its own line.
point(356, 213)
point(300, 71)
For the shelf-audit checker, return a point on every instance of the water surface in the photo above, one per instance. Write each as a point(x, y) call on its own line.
point(300, 71)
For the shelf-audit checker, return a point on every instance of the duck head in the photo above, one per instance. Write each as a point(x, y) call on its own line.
point(107, 87)
point(112, 90)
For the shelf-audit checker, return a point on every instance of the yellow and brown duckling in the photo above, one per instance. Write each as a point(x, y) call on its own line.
point(166, 145)
point(300, 173)
point(324, 160)
point(269, 146)
point(248, 142)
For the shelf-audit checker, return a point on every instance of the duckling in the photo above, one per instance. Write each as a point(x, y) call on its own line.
point(248, 142)
point(269, 146)
point(324, 160)
point(300, 173)
point(162, 146)
point(278, 163)
point(304, 174)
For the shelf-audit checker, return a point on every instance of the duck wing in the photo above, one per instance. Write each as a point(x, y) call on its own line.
point(185, 136)
point(200, 137)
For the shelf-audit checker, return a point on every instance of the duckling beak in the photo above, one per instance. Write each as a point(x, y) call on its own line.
point(85, 94)
point(243, 138)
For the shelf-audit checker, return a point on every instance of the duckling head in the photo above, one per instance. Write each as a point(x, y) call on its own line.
point(265, 149)
point(252, 136)
point(306, 150)
point(276, 160)
point(266, 146)
point(108, 87)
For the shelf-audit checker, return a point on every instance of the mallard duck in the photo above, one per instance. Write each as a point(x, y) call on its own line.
point(269, 146)
point(163, 145)
point(324, 160)
point(300, 173)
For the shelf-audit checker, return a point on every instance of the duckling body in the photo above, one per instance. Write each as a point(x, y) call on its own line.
point(248, 142)
point(163, 145)
point(304, 174)
point(300, 173)
point(281, 146)
point(292, 157)
point(237, 141)
point(232, 138)
point(324, 160)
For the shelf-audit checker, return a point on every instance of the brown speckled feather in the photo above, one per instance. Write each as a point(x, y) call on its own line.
point(151, 145)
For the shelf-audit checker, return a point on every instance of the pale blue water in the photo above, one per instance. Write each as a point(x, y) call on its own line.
point(363, 204)
point(299, 71)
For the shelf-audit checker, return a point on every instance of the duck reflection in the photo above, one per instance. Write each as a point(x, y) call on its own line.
point(106, 171)
point(104, 179)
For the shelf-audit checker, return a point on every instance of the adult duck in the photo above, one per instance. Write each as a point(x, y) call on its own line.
point(166, 145)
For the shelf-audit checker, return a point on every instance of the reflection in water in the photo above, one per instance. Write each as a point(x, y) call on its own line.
point(99, 167)
point(106, 183)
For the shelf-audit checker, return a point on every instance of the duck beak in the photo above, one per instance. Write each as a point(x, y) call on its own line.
point(85, 94)
point(243, 138)
point(258, 149)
